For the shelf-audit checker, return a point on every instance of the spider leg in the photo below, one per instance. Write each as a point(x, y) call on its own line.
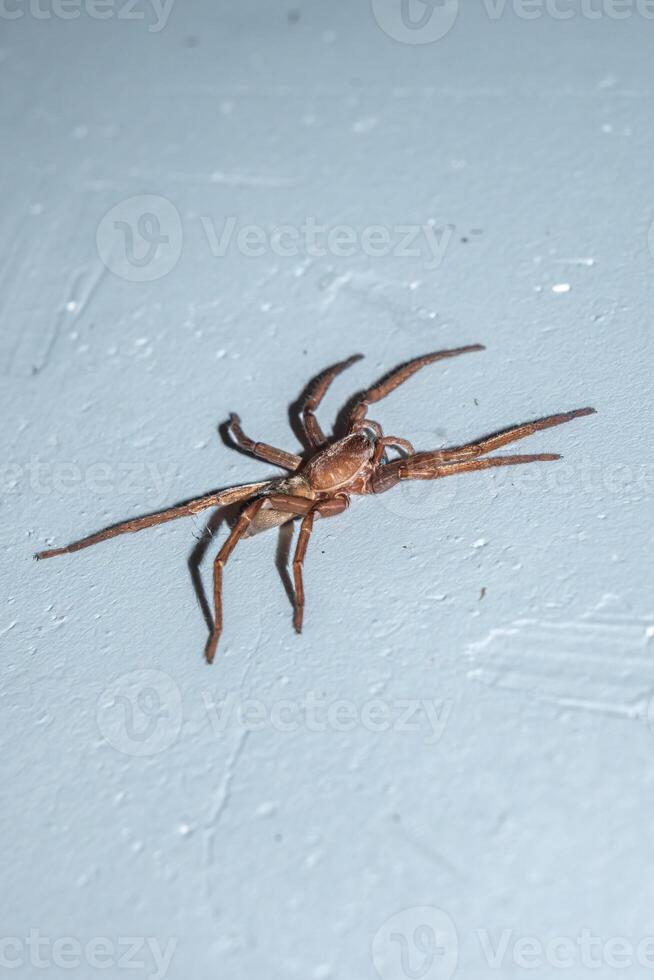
point(220, 499)
point(315, 394)
point(473, 449)
point(236, 534)
point(445, 462)
point(278, 457)
point(327, 508)
point(295, 506)
point(395, 442)
point(401, 374)
point(425, 466)
point(417, 469)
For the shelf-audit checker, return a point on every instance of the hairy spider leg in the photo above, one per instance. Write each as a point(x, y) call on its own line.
point(278, 457)
point(315, 394)
point(447, 462)
point(398, 376)
point(220, 499)
point(296, 506)
point(512, 434)
point(326, 508)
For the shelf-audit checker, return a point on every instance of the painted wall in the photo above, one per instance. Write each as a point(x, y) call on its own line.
point(453, 766)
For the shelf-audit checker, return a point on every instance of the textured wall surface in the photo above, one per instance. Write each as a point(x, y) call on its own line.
point(451, 772)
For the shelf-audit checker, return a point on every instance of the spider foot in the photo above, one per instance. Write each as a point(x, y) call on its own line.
point(211, 647)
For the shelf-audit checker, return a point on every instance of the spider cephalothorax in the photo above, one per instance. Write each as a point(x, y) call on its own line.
point(322, 482)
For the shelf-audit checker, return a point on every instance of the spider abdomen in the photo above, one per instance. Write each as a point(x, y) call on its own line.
point(269, 516)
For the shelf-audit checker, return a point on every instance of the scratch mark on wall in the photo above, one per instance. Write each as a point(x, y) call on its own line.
point(221, 802)
point(81, 288)
point(217, 177)
point(601, 662)
point(39, 257)
point(425, 850)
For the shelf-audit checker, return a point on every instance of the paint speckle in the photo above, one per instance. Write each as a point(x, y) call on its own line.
point(365, 125)
point(322, 972)
point(267, 809)
point(561, 287)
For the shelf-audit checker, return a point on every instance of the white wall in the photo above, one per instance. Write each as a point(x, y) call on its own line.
point(518, 795)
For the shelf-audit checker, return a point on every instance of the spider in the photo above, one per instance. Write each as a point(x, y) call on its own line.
point(321, 485)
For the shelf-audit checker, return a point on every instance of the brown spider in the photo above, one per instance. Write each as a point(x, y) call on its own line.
point(321, 486)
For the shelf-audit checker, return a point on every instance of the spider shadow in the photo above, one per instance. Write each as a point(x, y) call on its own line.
point(295, 420)
point(228, 516)
point(225, 515)
point(340, 424)
point(345, 412)
point(342, 421)
point(295, 417)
